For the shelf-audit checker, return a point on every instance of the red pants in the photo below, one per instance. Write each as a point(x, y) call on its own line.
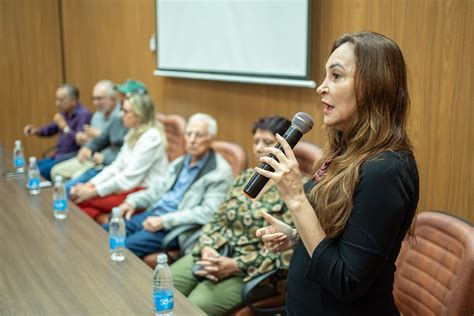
point(99, 205)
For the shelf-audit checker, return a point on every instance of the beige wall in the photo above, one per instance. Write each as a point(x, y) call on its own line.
point(109, 39)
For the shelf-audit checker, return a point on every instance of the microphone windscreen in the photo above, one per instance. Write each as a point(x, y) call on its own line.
point(303, 122)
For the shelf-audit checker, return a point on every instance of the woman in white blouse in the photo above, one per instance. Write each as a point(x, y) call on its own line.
point(141, 162)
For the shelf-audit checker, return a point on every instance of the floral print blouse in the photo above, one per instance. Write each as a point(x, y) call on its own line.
point(236, 222)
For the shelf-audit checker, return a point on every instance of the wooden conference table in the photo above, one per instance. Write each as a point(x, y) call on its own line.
point(62, 267)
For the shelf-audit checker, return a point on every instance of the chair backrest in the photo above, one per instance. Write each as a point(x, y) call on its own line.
point(307, 154)
point(435, 274)
point(233, 153)
point(175, 126)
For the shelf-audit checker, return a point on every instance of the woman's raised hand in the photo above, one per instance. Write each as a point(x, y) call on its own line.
point(278, 236)
point(286, 176)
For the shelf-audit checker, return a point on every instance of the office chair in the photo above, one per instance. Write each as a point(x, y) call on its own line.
point(233, 153)
point(435, 273)
point(174, 126)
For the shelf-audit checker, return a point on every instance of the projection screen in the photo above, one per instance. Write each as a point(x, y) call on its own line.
point(256, 41)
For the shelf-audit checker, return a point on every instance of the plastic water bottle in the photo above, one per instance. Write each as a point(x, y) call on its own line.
point(163, 287)
point(59, 199)
point(117, 236)
point(33, 177)
point(18, 158)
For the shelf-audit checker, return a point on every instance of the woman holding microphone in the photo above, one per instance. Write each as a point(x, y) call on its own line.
point(352, 217)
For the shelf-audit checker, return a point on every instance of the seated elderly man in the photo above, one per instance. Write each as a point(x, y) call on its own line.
point(196, 185)
point(67, 122)
point(105, 100)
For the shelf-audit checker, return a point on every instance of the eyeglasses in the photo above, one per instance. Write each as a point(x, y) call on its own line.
point(197, 135)
point(99, 98)
point(61, 100)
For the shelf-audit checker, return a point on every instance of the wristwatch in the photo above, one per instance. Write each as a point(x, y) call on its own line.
point(66, 129)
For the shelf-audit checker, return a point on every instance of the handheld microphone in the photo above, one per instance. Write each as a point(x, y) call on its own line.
point(301, 124)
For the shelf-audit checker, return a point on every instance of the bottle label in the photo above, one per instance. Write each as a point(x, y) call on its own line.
point(60, 205)
point(33, 183)
point(116, 242)
point(163, 300)
point(19, 162)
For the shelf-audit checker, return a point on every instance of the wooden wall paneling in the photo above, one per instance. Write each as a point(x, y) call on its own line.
point(452, 174)
point(113, 43)
point(236, 107)
point(436, 42)
point(106, 39)
point(31, 69)
point(435, 37)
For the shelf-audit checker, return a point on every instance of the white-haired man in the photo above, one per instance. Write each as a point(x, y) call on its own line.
point(105, 100)
point(196, 186)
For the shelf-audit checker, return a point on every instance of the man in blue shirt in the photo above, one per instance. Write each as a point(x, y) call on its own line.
point(196, 185)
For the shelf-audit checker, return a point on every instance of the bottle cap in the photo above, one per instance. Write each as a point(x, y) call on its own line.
point(162, 258)
point(32, 159)
point(58, 178)
point(116, 211)
point(17, 143)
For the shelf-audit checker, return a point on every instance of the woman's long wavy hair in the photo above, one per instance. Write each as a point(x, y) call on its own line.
point(379, 124)
point(143, 107)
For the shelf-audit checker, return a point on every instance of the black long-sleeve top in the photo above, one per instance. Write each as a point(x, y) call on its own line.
point(353, 274)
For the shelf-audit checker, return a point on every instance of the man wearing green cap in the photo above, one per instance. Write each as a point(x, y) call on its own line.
point(131, 86)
